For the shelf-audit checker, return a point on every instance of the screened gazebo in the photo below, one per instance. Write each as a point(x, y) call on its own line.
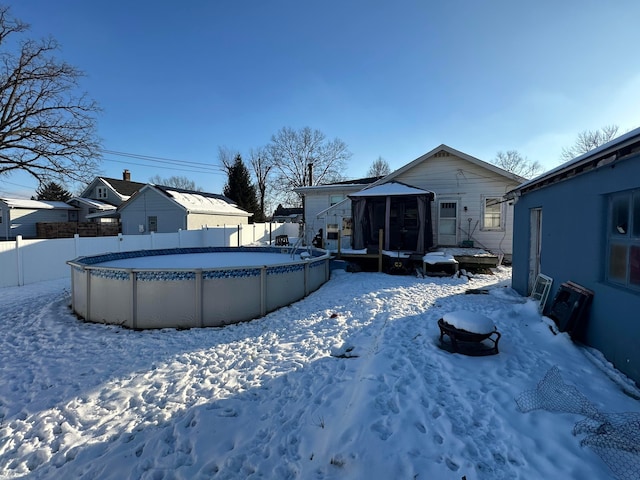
point(403, 213)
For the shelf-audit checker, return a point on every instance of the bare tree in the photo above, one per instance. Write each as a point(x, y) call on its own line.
point(227, 158)
point(513, 162)
point(379, 168)
point(47, 128)
point(588, 140)
point(296, 153)
point(175, 181)
point(261, 165)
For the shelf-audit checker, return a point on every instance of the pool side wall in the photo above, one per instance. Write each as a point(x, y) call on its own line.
point(188, 298)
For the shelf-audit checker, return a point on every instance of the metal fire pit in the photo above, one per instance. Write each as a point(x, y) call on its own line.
point(468, 343)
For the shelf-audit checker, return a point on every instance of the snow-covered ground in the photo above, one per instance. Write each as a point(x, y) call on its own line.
point(348, 383)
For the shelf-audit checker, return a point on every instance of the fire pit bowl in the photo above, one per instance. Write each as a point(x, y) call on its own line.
point(469, 333)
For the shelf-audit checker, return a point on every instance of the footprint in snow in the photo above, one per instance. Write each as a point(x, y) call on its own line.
point(381, 430)
point(453, 466)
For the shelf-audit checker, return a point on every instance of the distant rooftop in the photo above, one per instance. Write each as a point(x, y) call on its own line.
point(357, 181)
point(124, 187)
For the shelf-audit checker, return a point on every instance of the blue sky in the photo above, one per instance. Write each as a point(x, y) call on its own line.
point(391, 79)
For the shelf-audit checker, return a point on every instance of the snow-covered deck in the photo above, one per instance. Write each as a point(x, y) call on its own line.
point(467, 258)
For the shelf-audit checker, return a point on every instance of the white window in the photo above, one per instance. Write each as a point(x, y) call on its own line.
point(333, 199)
point(101, 192)
point(623, 239)
point(492, 213)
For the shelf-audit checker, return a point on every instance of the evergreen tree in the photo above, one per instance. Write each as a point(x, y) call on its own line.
point(240, 189)
point(52, 191)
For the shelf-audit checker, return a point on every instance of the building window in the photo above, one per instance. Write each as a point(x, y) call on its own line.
point(153, 224)
point(623, 239)
point(492, 213)
point(332, 231)
point(333, 199)
point(101, 192)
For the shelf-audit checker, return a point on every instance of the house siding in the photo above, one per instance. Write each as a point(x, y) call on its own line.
point(196, 221)
point(112, 197)
point(148, 203)
point(574, 225)
point(316, 202)
point(453, 178)
point(19, 221)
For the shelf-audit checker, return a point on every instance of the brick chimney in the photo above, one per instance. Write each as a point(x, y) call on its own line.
point(126, 175)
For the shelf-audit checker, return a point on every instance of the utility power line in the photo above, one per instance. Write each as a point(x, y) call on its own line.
point(170, 161)
point(212, 171)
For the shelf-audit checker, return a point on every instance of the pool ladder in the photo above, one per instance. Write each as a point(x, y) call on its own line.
point(297, 245)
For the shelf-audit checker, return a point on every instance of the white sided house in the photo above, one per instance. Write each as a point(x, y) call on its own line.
point(19, 217)
point(156, 208)
point(467, 207)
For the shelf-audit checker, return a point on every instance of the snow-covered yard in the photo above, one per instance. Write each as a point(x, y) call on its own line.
point(267, 399)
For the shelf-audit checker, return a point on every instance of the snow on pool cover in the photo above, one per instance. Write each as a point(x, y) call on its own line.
point(203, 260)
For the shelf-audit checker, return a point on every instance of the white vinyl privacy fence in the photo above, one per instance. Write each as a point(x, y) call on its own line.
point(29, 261)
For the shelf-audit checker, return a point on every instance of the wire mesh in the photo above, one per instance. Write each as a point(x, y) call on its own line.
point(615, 437)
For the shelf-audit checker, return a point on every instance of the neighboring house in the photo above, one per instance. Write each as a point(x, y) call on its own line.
point(287, 215)
point(91, 210)
point(100, 199)
point(465, 206)
point(581, 222)
point(19, 217)
point(156, 208)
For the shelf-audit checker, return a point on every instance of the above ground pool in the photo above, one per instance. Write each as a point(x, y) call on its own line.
point(193, 287)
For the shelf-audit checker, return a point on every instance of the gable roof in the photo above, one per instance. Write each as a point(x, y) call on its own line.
point(357, 181)
point(603, 155)
point(97, 204)
point(346, 185)
point(36, 204)
point(192, 201)
point(166, 189)
point(368, 183)
point(452, 151)
point(124, 188)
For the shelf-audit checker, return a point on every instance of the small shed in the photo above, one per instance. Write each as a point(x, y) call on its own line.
point(156, 208)
point(19, 217)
